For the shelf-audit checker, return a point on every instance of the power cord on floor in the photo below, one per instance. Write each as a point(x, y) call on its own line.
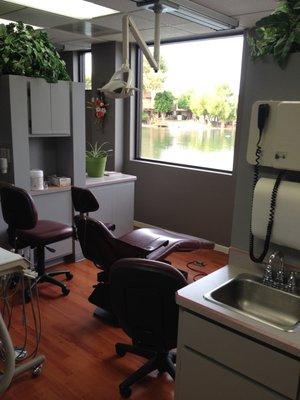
point(194, 266)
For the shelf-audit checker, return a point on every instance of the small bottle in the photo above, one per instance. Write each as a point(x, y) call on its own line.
point(36, 179)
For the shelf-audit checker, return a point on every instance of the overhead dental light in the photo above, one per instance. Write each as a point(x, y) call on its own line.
point(121, 83)
point(192, 12)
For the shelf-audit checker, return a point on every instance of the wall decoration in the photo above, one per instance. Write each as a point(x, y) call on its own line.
point(99, 107)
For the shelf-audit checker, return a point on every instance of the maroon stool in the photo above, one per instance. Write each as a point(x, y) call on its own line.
point(26, 230)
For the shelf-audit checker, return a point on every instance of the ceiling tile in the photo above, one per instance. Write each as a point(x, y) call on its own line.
point(166, 19)
point(86, 28)
point(115, 21)
point(194, 28)
point(236, 7)
point(120, 5)
point(58, 36)
point(249, 20)
point(38, 18)
point(6, 8)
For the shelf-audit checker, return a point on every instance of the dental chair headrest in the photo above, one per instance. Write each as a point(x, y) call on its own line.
point(83, 200)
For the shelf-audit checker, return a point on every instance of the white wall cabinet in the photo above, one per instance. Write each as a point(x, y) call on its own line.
point(50, 107)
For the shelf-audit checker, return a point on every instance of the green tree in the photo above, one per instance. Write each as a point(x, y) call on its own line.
point(163, 102)
point(153, 81)
point(221, 106)
point(199, 105)
point(184, 101)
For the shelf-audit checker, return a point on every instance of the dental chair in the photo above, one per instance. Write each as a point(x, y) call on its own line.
point(99, 245)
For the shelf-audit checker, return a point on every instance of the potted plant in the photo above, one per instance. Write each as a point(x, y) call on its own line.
point(96, 159)
point(28, 52)
point(277, 34)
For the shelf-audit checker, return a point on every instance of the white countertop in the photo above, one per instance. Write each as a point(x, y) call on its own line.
point(192, 298)
point(111, 179)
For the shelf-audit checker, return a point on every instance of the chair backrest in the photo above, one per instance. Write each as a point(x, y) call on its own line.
point(83, 200)
point(143, 299)
point(18, 208)
point(96, 241)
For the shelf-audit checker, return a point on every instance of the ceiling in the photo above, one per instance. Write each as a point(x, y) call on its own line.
point(72, 34)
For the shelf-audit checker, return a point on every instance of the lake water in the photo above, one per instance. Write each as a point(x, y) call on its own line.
point(189, 143)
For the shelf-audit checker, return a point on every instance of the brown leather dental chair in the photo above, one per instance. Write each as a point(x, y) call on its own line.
point(100, 246)
point(26, 230)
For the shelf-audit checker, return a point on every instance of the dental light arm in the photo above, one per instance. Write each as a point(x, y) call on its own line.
point(121, 83)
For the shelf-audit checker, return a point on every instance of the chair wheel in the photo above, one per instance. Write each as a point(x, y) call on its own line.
point(120, 351)
point(69, 276)
point(125, 392)
point(37, 371)
point(27, 295)
point(65, 291)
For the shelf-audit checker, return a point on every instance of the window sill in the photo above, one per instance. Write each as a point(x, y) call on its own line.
point(181, 167)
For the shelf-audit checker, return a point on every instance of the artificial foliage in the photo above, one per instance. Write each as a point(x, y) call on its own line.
point(28, 52)
point(277, 34)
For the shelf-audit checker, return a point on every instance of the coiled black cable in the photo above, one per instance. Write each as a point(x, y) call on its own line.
point(267, 241)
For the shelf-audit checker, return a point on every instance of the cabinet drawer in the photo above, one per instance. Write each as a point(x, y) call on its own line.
point(266, 366)
point(201, 378)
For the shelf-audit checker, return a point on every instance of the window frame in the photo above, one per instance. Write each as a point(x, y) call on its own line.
point(81, 65)
point(139, 101)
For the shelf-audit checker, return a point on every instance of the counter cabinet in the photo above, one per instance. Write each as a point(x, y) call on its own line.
point(217, 363)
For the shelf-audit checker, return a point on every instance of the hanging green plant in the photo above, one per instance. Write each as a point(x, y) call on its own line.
point(28, 52)
point(277, 34)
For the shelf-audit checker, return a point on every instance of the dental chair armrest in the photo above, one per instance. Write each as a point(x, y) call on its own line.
point(144, 248)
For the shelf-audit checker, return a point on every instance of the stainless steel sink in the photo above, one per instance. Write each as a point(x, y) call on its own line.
point(247, 295)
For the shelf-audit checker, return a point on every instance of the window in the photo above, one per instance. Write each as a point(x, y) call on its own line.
point(88, 70)
point(188, 109)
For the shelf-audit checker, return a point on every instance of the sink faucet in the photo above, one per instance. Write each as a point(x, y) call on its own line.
point(280, 281)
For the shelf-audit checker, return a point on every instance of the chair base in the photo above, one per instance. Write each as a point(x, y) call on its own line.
point(48, 277)
point(106, 316)
point(163, 362)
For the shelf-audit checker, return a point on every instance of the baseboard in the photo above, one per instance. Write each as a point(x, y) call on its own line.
point(218, 247)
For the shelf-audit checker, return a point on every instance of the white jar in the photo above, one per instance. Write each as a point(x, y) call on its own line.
point(36, 179)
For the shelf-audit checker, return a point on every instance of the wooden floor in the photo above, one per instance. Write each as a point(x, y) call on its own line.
point(79, 349)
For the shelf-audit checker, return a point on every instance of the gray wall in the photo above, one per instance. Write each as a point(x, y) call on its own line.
point(106, 59)
point(263, 81)
point(71, 60)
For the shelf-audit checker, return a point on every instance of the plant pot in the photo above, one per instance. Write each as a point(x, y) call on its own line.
point(95, 167)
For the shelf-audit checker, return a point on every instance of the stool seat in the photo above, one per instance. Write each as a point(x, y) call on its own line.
point(45, 232)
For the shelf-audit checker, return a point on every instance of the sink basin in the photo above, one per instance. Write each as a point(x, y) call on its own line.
point(247, 295)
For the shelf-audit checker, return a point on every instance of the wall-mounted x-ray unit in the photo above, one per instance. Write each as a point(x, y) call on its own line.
point(280, 141)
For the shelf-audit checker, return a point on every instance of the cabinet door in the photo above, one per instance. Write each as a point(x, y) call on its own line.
point(116, 206)
point(40, 107)
point(60, 108)
point(56, 207)
point(201, 378)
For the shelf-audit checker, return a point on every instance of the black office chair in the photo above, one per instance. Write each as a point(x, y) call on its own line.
point(26, 230)
point(143, 299)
